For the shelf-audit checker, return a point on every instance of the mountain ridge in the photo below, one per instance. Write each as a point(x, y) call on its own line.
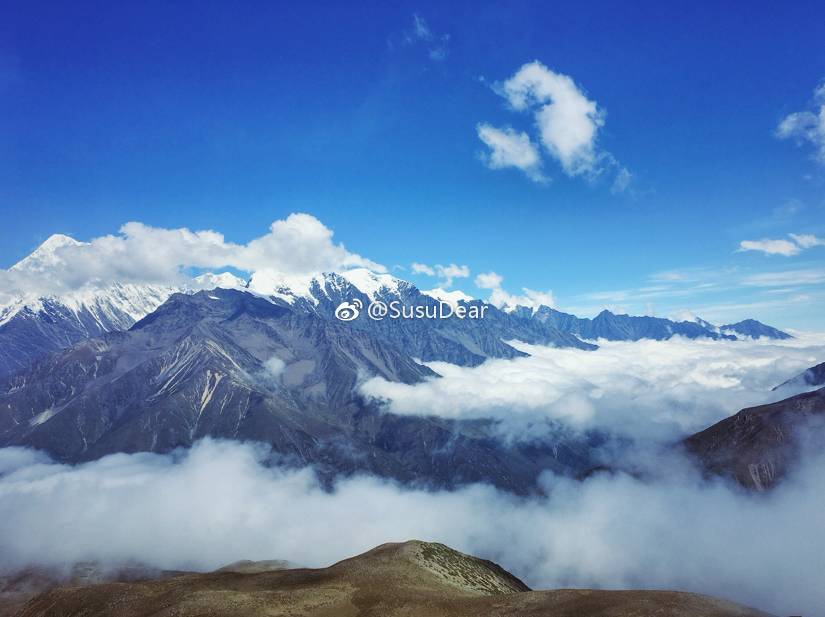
point(413, 579)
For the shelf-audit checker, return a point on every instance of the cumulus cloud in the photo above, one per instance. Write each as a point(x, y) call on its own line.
point(446, 274)
point(218, 503)
point(567, 121)
point(502, 299)
point(489, 280)
point(807, 127)
point(787, 248)
point(419, 268)
point(297, 246)
point(655, 390)
point(510, 148)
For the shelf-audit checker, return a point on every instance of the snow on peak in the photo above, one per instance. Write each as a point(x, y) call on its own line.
point(371, 283)
point(283, 286)
point(46, 255)
point(450, 297)
point(224, 280)
point(289, 288)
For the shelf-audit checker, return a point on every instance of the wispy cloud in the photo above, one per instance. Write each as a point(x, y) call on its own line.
point(437, 45)
point(809, 276)
point(786, 248)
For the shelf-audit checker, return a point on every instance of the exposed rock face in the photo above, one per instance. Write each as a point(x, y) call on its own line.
point(228, 364)
point(758, 446)
point(413, 579)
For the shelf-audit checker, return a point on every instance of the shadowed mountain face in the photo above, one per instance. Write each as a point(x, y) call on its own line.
point(228, 364)
point(612, 327)
point(414, 579)
point(750, 328)
point(758, 446)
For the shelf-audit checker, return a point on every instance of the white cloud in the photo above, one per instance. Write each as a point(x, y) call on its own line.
point(274, 367)
point(501, 298)
point(446, 274)
point(530, 298)
point(419, 268)
point(510, 148)
point(787, 248)
point(806, 241)
point(807, 126)
point(567, 120)
point(450, 272)
point(656, 390)
point(489, 280)
point(770, 247)
point(218, 503)
point(297, 246)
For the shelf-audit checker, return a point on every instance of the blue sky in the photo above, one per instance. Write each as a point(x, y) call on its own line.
point(366, 116)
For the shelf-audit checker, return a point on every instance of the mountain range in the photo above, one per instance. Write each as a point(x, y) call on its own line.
point(129, 368)
point(33, 325)
point(230, 364)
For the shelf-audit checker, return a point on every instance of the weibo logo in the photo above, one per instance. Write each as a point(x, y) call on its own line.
point(347, 311)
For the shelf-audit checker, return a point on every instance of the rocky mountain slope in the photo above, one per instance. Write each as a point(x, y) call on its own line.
point(229, 364)
point(758, 446)
point(413, 579)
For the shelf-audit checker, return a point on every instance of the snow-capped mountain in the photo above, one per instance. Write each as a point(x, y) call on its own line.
point(33, 325)
point(466, 342)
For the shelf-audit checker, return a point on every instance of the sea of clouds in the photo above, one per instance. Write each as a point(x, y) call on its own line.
point(648, 390)
point(667, 528)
